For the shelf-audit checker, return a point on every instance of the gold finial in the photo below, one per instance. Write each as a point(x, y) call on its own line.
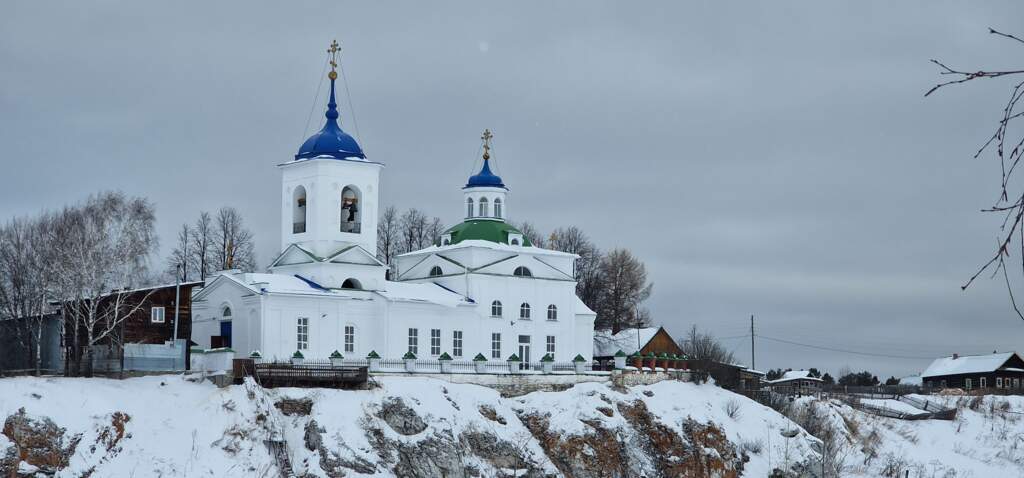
point(487, 143)
point(334, 50)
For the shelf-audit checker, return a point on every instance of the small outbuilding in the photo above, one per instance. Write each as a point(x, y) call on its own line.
point(645, 340)
point(796, 382)
point(996, 370)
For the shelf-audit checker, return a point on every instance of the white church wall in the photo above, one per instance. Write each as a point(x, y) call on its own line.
point(324, 180)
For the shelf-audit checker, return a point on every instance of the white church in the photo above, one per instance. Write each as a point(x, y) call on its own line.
point(482, 289)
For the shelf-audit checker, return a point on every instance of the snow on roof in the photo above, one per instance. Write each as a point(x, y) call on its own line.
point(421, 292)
point(795, 375)
point(497, 246)
point(581, 308)
point(911, 380)
point(606, 344)
point(966, 364)
point(393, 291)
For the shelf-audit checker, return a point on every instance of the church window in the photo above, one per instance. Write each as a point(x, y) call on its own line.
point(414, 341)
point(483, 208)
point(496, 308)
point(457, 343)
point(351, 210)
point(551, 345)
point(156, 315)
point(299, 210)
point(522, 272)
point(226, 312)
point(496, 346)
point(497, 207)
point(350, 338)
point(552, 312)
point(435, 341)
point(469, 207)
point(436, 271)
point(524, 311)
point(515, 242)
point(302, 334)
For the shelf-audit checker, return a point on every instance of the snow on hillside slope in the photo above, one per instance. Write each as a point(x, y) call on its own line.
point(408, 426)
point(985, 440)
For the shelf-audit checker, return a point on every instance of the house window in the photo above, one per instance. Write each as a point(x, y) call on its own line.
point(967, 383)
point(497, 207)
point(496, 346)
point(524, 311)
point(1016, 383)
point(469, 207)
point(435, 341)
point(350, 338)
point(457, 343)
point(522, 272)
point(551, 345)
point(156, 315)
point(999, 382)
point(552, 312)
point(983, 382)
point(436, 271)
point(483, 208)
point(414, 341)
point(302, 333)
point(496, 308)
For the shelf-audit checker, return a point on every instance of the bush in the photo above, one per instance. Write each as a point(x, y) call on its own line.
point(752, 447)
point(732, 409)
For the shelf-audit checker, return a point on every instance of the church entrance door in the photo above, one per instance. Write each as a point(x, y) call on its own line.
point(524, 352)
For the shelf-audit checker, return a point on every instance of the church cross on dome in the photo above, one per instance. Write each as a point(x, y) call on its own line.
point(487, 143)
point(334, 50)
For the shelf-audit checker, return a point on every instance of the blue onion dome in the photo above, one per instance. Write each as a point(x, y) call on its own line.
point(331, 141)
point(485, 178)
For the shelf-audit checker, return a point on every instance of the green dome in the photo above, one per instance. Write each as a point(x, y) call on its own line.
point(483, 230)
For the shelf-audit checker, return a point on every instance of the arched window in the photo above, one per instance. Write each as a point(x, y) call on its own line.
point(351, 284)
point(483, 208)
point(552, 312)
point(469, 207)
point(497, 207)
point(436, 271)
point(299, 210)
point(496, 308)
point(515, 242)
point(524, 311)
point(522, 272)
point(226, 313)
point(351, 210)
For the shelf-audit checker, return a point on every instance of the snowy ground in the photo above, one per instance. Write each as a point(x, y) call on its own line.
point(985, 440)
point(177, 427)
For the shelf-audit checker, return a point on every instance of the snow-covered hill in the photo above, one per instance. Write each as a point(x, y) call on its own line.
point(407, 426)
point(985, 440)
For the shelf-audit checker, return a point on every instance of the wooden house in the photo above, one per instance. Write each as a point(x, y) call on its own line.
point(970, 372)
point(646, 340)
point(796, 382)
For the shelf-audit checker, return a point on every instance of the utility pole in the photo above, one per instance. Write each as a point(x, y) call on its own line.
point(177, 298)
point(752, 362)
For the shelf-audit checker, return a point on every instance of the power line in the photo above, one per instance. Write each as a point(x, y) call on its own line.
point(854, 352)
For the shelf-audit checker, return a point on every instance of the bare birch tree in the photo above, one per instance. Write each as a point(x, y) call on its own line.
point(1007, 142)
point(25, 270)
point(179, 263)
point(103, 246)
point(201, 258)
point(233, 243)
point(414, 230)
point(388, 230)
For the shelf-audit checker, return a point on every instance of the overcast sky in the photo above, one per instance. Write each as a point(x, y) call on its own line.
point(776, 160)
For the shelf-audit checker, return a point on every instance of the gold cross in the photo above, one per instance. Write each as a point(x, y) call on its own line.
point(487, 143)
point(334, 50)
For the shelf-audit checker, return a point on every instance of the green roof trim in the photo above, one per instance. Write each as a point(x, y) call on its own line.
point(620, 353)
point(479, 358)
point(409, 356)
point(483, 230)
point(579, 358)
point(297, 355)
point(514, 358)
point(336, 355)
point(372, 355)
point(445, 356)
point(547, 358)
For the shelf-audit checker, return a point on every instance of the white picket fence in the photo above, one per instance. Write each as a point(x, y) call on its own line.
point(454, 366)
